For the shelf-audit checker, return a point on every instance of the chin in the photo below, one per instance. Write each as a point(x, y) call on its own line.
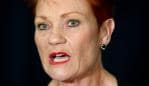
point(61, 75)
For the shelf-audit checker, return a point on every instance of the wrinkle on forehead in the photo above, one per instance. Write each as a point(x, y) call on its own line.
point(48, 2)
point(56, 2)
point(59, 7)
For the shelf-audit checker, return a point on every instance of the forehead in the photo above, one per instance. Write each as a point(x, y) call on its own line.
point(60, 6)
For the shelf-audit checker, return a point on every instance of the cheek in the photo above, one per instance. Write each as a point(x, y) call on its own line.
point(41, 42)
point(85, 39)
point(85, 47)
point(41, 45)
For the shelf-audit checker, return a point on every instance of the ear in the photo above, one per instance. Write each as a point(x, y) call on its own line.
point(106, 31)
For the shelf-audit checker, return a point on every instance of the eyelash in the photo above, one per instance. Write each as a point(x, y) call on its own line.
point(42, 26)
point(70, 23)
point(73, 23)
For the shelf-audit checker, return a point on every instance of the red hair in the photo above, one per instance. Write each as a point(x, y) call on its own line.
point(103, 9)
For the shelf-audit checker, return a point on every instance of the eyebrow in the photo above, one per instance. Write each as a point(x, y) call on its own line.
point(73, 12)
point(63, 15)
point(42, 17)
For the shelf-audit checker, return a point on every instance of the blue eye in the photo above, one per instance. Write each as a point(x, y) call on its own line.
point(42, 26)
point(73, 23)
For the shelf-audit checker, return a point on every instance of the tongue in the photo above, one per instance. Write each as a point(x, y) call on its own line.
point(60, 59)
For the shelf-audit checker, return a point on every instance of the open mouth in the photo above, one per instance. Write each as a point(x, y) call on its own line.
point(58, 58)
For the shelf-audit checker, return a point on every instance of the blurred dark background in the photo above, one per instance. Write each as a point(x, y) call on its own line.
point(124, 57)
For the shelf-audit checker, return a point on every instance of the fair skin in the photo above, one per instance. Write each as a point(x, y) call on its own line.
point(70, 26)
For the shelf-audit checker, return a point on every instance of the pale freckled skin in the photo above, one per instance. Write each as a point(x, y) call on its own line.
point(81, 42)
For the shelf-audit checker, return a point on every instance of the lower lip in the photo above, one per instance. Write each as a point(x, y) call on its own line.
point(57, 63)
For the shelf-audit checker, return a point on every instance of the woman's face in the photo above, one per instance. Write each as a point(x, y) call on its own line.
point(67, 38)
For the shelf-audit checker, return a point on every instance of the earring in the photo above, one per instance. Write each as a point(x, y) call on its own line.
point(103, 47)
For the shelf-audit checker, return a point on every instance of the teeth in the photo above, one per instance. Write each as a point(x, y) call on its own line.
point(59, 55)
point(60, 59)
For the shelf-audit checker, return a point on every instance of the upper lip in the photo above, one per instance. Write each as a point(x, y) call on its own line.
point(53, 54)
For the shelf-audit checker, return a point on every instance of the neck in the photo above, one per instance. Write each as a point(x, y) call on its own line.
point(91, 79)
point(100, 77)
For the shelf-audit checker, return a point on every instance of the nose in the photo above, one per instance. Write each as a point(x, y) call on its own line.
point(56, 38)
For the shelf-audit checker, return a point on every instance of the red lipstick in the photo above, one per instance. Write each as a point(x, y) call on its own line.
point(56, 58)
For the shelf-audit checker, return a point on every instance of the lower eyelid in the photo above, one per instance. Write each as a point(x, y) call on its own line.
point(75, 21)
point(38, 26)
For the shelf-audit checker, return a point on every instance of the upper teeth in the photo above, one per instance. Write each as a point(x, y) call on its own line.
point(59, 55)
